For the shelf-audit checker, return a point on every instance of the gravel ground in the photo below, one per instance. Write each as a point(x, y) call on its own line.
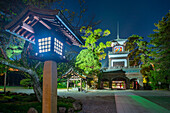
point(98, 104)
point(93, 101)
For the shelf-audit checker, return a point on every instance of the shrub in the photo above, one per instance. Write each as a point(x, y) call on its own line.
point(26, 82)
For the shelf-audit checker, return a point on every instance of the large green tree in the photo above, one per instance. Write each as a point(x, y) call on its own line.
point(160, 53)
point(139, 55)
point(89, 58)
point(136, 47)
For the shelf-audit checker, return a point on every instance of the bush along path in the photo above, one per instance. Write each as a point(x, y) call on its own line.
point(22, 103)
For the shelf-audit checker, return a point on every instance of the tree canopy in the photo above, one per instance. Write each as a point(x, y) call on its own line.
point(160, 52)
point(136, 47)
point(89, 59)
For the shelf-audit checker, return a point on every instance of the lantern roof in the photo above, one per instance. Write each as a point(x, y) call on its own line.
point(23, 25)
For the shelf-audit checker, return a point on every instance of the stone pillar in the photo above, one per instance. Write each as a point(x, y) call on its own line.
point(50, 87)
point(140, 81)
point(127, 84)
point(110, 84)
point(109, 62)
point(128, 65)
point(67, 84)
point(124, 85)
point(80, 84)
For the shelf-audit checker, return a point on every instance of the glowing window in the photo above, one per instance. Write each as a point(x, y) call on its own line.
point(118, 49)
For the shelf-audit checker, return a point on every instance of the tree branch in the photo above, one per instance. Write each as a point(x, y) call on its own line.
point(32, 73)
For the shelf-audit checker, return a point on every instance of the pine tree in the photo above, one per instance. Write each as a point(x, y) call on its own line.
point(160, 52)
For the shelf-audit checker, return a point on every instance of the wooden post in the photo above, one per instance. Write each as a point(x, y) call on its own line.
point(80, 84)
point(50, 87)
point(67, 84)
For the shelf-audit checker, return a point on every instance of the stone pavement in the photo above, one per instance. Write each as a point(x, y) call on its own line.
point(93, 101)
point(101, 101)
point(113, 101)
point(128, 102)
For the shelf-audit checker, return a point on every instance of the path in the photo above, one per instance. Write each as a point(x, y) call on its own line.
point(128, 102)
point(116, 101)
point(94, 101)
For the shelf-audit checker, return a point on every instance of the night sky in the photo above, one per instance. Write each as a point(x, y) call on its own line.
point(134, 16)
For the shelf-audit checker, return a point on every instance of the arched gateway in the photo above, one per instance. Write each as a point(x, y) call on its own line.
point(119, 75)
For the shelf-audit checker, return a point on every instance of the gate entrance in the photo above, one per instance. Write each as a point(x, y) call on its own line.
point(118, 85)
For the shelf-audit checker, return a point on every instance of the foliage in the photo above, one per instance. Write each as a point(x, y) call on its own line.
point(26, 82)
point(88, 59)
point(65, 102)
point(20, 107)
point(20, 103)
point(65, 66)
point(2, 69)
point(15, 48)
point(137, 47)
point(154, 56)
point(61, 83)
point(139, 55)
point(160, 52)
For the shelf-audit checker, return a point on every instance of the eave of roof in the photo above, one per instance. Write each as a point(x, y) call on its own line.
point(71, 71)
point(42, 14)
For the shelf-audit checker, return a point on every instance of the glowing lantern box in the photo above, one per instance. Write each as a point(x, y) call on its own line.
point(50, 44)
point(50, 47)
point(48, 29)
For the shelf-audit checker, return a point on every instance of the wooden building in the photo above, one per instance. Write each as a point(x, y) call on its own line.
point(72, 75)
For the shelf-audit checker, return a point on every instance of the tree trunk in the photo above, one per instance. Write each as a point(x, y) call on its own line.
point(34, 77)
point(5, 83)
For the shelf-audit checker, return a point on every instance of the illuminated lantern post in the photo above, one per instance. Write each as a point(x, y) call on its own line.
point(50, 31)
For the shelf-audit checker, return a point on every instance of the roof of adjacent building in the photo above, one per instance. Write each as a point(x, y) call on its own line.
point(72, 72)
point(126, 70)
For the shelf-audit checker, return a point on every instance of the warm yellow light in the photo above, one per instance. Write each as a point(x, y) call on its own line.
point(39, 40)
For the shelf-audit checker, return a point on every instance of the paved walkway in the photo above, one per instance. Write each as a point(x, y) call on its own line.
point(131, 103)
point(101, 101)
point(93, 101)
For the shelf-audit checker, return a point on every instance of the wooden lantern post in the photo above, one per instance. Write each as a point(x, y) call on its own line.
point(49, 30)
point(50, 87)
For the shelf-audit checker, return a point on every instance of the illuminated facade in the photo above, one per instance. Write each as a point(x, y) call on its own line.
point(119, 75)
